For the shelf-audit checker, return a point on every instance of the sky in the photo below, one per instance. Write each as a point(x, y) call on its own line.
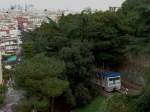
point(64, 4)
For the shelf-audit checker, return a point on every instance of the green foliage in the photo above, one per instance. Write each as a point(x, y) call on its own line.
point(2, 89)
point(119, 102)
point(54, 87)
point(28, 49)
point(41, 105)
point(79, 61)
point(81, 42)
point(135, 14)
point(79, 70)
point(56, 44)
point(143, 102)
point(7, 74)
point(39, 76)
point(70, 99)
point(2, 92)
point(82, 94)
point(95, 106)
point(1, 99)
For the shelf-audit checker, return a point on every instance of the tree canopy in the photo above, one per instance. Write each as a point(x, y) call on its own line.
point(80, 43)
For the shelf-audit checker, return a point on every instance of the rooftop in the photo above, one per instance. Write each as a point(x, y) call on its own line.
point(108, 74)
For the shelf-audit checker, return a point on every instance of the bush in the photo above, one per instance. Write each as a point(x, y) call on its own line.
point(143, 102)
point(118, 103)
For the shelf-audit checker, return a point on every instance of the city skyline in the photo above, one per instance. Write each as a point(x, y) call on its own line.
point(64, 4)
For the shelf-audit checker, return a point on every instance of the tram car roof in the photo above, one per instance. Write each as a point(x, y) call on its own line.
point(108, 74)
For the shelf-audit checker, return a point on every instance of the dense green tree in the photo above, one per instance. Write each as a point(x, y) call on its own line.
point(28, 50)
point(143, 102)
point(79, 69)
point(52, 88)
point(134, 15)
point(82, 41)
point(39, 76)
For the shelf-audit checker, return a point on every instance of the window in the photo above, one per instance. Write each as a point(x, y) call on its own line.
point(114, 79)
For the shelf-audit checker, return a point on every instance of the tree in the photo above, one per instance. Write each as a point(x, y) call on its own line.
point(143, 102)
point(40, 77)
point(28, 49)
point(53, 88)
point(79, 69)
point(109, 40)
point(134, 15)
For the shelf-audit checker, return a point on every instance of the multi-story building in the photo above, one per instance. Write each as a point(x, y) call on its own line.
point(12, 22)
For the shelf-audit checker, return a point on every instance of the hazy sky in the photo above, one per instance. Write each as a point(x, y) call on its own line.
point(63, 4)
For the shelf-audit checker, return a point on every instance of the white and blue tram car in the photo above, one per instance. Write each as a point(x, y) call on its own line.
point(110, 81)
